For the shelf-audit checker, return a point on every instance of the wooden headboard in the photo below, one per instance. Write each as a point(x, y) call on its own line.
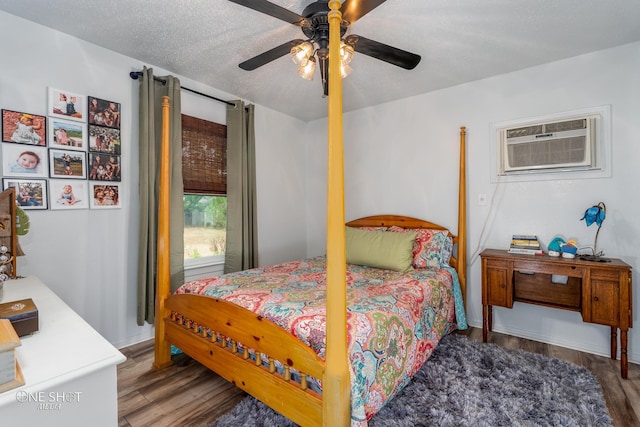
point(458, 259)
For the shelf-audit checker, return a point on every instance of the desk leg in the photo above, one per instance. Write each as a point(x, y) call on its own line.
point(623, 354)
point(487, 321)
point(614, 342)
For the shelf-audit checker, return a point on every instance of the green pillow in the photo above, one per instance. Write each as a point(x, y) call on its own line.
point(381, 249)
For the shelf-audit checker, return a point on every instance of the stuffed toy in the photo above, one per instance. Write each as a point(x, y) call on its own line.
point(555, 246)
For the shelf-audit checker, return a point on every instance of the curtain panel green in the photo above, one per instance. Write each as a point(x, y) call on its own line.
point(241, 252)
point(151, 93)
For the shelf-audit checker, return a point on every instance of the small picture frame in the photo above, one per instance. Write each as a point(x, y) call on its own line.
point(67, 134)
point(104, 140)
point(103, 113)
point(24, 128)
point(105, 196)
point(67, 105)
point(104, 167)
point(66, 194)
point(30, 193)
point(24, 160)
point(67, 164)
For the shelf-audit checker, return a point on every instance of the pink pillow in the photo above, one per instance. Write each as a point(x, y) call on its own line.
point(431, 249)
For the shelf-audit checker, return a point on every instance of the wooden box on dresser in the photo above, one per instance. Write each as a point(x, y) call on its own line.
point(69, 369)
point(600, 291)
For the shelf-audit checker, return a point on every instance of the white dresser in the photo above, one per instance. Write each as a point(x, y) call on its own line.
point(69, 369)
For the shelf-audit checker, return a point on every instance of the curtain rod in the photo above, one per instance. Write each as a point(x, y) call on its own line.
point(136, 74)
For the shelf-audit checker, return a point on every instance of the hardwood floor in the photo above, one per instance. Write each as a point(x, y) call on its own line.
point(187, 394)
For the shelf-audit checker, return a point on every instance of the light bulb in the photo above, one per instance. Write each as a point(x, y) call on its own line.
point(345, 70)
point(301, 52)
point(346, 53)
point(306, 71)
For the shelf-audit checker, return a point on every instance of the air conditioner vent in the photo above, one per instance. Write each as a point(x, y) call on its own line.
point(564, 144)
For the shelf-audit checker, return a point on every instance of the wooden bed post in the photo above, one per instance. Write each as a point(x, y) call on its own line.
point(163, 275)
point(336, 408)
point(462, 217)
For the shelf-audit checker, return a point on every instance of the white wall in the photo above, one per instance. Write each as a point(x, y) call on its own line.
point(89, 257)
point(401, 157)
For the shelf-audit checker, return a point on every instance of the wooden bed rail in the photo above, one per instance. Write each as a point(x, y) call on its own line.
point(230, 340)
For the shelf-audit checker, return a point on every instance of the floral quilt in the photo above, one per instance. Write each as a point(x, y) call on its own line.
point(394, 320)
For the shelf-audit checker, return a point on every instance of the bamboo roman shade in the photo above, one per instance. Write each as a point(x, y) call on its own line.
point(204, 156)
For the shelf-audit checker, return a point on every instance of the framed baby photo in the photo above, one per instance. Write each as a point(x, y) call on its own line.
point(67, 105)
point(67, 164)
point(104, 196)
point(67, 134)
point(24, 160)
point(30, 193)
point(103, 113)
point(104, 140)
point(24, 128)
point(66, 194)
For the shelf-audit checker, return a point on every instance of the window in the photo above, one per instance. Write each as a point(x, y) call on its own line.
point(204, 176)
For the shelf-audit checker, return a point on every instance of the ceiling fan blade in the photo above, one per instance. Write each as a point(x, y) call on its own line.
point(383, 52)
point(272, 10)
point(352, 10)
point(268, 56)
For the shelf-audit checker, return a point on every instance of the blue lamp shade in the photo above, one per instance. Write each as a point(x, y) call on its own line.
point(595, 214)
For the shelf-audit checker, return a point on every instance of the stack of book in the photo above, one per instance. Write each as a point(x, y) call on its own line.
point(525, 244)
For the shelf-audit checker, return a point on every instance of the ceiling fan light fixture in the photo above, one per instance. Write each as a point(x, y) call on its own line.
point(301, 53)
point(346, 53)
point(307, 70)
point(345, 70)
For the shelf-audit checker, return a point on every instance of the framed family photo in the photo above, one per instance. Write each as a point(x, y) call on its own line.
point(24, 160)
point(67, 105)
point(67, 164)
point(24, 128)
point(30, 193)
point(104, 167)
point(104, 140)
point(103, 113)
point(104, 196)
point(67, 134)
point(67, 194)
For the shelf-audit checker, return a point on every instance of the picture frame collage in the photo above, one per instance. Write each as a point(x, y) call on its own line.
point(69, 159)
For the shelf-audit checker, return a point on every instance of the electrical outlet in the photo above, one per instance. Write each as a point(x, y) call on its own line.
point(482, 199)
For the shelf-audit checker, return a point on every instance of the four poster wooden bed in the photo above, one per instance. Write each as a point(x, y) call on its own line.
point(362, 331)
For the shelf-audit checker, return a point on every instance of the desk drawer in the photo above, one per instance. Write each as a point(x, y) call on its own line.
point(537, 267)
point(537, 288)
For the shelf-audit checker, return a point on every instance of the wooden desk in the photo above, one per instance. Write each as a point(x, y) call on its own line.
point(70, 370)
point(600, 291)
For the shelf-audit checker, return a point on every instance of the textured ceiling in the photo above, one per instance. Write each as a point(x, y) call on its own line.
point(459, 41)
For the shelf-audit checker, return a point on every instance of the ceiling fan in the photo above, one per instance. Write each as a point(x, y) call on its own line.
point(314, 24)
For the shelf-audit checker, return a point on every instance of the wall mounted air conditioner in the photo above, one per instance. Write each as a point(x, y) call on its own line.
point(562, 144)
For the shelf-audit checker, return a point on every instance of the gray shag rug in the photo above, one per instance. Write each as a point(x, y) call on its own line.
point(467, 383)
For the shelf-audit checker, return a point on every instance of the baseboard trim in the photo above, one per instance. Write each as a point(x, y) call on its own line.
point(554, 340)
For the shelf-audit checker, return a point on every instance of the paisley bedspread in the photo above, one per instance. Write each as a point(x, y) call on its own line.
point(394, 320)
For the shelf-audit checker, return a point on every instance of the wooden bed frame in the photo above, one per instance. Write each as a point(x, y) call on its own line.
point(233, 324)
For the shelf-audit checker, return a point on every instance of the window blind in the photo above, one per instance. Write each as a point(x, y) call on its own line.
point(204, 156)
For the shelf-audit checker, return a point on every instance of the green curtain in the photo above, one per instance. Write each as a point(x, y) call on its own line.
point(241, 252)
point(151, 94)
